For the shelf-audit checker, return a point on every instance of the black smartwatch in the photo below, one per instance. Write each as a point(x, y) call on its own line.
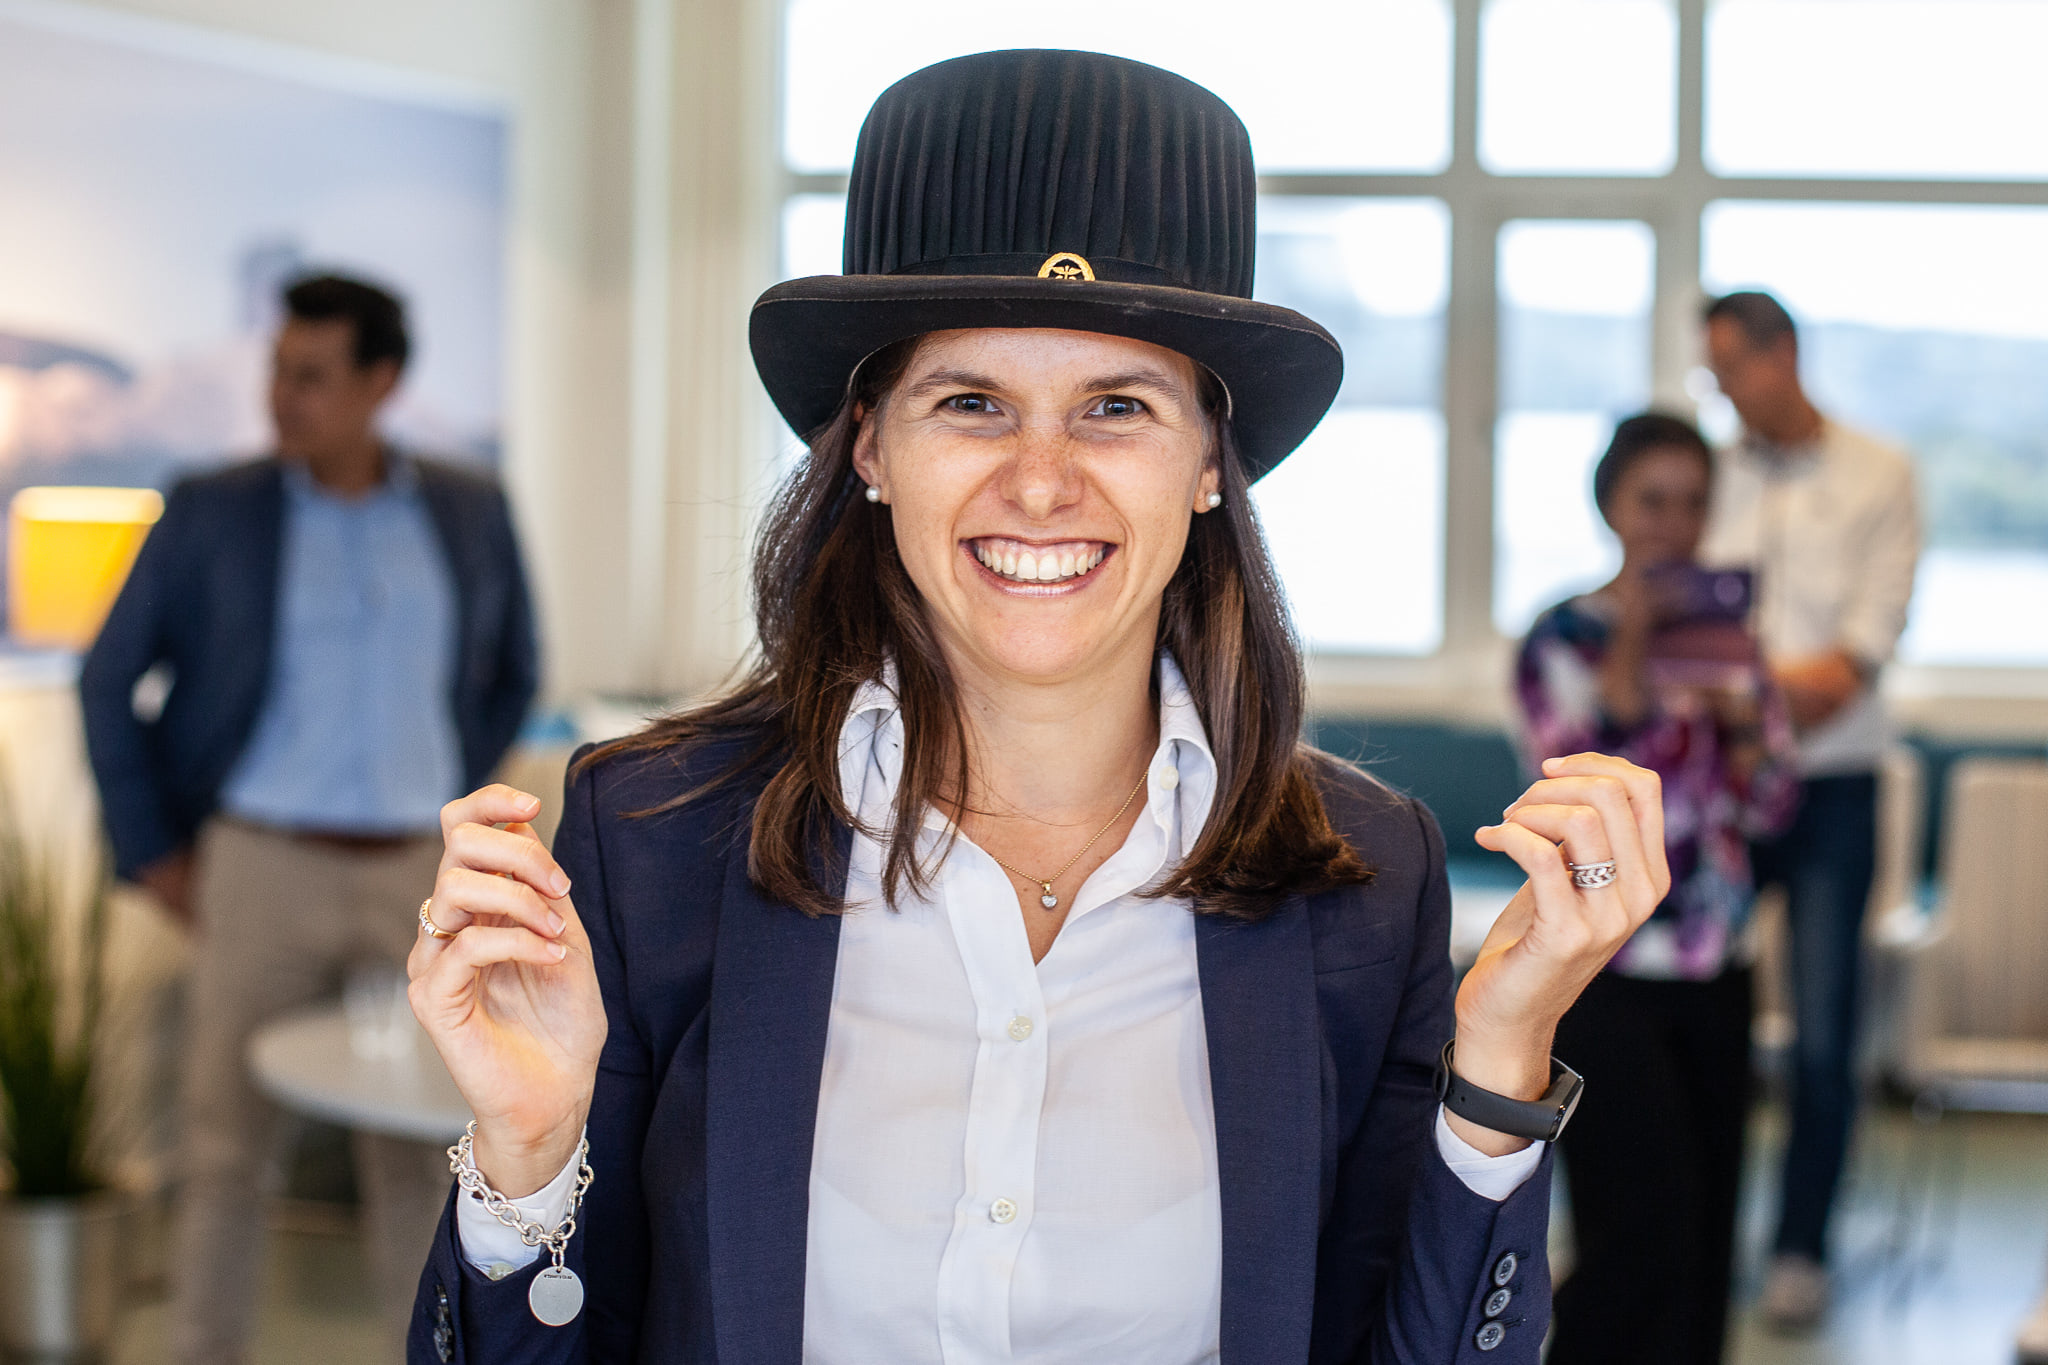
point(1539, 1120)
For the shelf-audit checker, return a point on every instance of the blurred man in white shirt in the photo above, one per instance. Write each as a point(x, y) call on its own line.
point(1829, 520)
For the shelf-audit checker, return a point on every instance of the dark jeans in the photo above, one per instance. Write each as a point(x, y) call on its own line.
point(1825, 862)
point(1654, 1161)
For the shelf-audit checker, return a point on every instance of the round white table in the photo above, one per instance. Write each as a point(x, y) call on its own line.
point(309, 1063)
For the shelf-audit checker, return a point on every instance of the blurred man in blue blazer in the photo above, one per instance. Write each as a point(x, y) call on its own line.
point(348, 644)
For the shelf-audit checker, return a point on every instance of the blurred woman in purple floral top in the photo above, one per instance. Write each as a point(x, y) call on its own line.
point(1659, 666)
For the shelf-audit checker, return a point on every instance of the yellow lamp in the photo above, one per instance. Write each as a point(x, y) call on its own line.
point(68, 552)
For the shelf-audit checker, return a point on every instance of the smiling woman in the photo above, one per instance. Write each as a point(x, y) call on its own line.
point(992, 973)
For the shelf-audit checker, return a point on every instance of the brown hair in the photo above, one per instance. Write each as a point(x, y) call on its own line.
point(832, 603)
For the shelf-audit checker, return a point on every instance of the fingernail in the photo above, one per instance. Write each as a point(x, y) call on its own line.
point(528, 802)
point(559, 950)
point(555, 922)
point(559, 883)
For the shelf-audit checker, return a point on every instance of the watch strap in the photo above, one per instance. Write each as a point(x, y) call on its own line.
point(1540, 1120)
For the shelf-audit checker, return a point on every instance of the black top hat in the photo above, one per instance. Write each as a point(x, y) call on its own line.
point(1052, 189)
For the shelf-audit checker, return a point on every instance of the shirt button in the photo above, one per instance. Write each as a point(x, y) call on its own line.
point(1002, 1211)
point(1020, 1029)
point(1167, 777)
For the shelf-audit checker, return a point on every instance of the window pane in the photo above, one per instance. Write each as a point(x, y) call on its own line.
point(1929, 326)
point(1574, 357)
point(1375, 272)
point(1321, 84)
point(813, 231)
point(1908, 88)
point(1578, 86)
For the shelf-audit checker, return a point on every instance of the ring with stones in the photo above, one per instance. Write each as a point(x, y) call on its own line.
point(427, 921)
point(1592, 876)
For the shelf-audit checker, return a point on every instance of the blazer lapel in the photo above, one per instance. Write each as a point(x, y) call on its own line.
point(771, 1002)
point(1265, 1069)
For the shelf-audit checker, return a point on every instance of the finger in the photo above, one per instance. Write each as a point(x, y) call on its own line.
point(1645, 794)
point(496, 804)
point(450, 979)
point(483, 848)
point(463, 895)
point(1563, 921)
point(1582, 834)
point(1537, 856)
point(1623, 832)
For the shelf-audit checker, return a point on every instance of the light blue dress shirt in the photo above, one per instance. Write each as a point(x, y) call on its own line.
point(355, 734)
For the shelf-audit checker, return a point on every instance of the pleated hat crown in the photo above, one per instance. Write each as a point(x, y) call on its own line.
point(967, 166)
point(1052, 189)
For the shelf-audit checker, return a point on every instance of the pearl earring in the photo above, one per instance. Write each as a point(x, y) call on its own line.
point(1215, 501)
point(874, 493)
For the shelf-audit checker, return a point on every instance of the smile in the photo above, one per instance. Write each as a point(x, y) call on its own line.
point(1016, 562)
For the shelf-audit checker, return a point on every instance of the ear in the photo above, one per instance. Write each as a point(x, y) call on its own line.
point(867, 450)
point(382, 377)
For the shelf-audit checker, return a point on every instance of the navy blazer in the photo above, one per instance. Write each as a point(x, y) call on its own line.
point(1345, 1236)
point(202, 599)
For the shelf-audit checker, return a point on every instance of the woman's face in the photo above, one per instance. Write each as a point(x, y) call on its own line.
point(1040, 484)
point(1658, 508)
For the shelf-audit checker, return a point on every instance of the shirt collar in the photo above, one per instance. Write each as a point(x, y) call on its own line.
point(1183, 767)
point(401, 476)
point(1786, 459)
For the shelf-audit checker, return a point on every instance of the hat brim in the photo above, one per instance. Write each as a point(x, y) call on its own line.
point(1281, 369)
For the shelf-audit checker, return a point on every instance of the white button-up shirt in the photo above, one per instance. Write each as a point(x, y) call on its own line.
point(1014, 1161)
point(1832, 530)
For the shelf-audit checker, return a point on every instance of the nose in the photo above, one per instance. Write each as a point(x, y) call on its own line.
point(1043, 475)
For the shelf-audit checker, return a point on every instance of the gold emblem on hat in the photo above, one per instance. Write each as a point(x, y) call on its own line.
point(1065, 265)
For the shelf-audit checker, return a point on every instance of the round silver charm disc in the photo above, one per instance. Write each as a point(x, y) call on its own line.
point(556, 1296)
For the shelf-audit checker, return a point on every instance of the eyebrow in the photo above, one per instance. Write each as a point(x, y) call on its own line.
point(1107, 383)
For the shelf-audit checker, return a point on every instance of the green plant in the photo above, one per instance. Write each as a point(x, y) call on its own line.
point(51, 962)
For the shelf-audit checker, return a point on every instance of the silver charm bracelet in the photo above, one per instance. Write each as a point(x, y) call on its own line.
point(556, 1295)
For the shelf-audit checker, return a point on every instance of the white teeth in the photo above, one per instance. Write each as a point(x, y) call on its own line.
point(1038, 566)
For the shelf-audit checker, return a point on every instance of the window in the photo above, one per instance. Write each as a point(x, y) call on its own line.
point(1372, 91)
point(1574, 358)
point(1578, 85)
point(1503, 298)
point(1355, 517)
point(1937, 89)
point(1928, 325)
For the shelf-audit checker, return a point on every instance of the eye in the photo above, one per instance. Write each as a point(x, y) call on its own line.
point(1116, 405)
point(974, 404)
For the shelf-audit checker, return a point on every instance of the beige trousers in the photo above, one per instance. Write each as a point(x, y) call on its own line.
point(281, 921)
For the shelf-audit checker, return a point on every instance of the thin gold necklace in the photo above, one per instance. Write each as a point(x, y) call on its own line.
point(1047, 898)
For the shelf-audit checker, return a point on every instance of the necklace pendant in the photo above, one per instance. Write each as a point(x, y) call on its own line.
point(1049, 900)
point(555, 1296)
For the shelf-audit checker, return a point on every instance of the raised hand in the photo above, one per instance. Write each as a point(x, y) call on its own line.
point(511, 1001)
point(1555, 936)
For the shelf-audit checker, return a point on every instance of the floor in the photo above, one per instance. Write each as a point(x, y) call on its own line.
point(1946, 1285)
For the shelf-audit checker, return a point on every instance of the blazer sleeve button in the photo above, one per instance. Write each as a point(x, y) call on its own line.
point(1504, 1269)
point(1490, 1336)
point(1497, 1302)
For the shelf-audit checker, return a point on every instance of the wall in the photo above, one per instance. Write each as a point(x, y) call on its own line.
point(557, 67)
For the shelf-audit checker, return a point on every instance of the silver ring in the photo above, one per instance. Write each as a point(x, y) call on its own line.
point(1592, 876)
point(427, 921)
